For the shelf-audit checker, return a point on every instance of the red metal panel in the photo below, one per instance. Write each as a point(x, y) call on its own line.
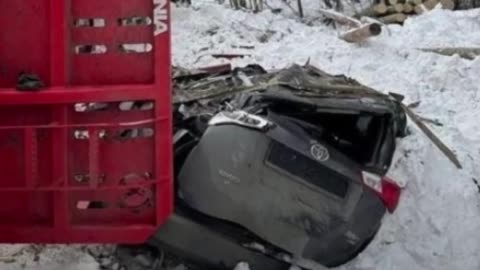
point(59, 159)
point(24, 39)
point(59, 16)
point(30, 156)
point(163, 151)
point(113, 66)
point(95, 176)
point(79, 94)
point(111, 8)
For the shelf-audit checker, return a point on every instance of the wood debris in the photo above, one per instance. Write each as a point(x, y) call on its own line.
point(360, 30)
point(340, 18)
point(435, 140)
point(362, 33)
point(393, 18)
point(463, 52)
point(419, 122)
point(230, 55)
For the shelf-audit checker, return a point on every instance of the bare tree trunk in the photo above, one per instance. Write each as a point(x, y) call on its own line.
point(300, 8)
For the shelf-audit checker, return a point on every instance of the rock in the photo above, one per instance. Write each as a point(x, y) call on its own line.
point(115, 266)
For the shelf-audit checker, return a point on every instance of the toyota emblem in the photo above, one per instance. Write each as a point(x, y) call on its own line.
point(319, 152)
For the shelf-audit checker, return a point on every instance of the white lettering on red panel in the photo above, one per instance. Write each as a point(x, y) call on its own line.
point(160, 16)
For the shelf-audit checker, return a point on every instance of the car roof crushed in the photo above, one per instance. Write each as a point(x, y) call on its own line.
point(286, 97)
point(204, 91)
point(207, 91)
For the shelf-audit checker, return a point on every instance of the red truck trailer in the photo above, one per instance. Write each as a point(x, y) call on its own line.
point(71, 172)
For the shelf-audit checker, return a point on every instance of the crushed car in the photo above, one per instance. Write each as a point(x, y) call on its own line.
point(288, 163)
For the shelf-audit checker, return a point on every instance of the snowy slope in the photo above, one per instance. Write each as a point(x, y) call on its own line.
point(436, 223)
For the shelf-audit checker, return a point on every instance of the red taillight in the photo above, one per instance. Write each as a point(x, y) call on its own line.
point(390, 194)
point(387, 190)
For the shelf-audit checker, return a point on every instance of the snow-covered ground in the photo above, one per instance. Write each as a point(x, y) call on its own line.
point(51, 257)
point(436, 223)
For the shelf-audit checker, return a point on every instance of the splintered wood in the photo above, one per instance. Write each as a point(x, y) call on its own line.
point(340, 18)
point(359, 31)
point(463, 52)
point(433, 138)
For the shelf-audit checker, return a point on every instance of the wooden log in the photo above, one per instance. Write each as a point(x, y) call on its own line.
point(362, 33)
point(340, 18)
point(448, 4)
point(393, 2)
point(373, 11)
point(430, 4)
point(463, 52)
point(397, 8)
point(393, 18)
point(380, 9)
point(420, 9)
point(407, 8)
point(426, 6)
point(415, 2)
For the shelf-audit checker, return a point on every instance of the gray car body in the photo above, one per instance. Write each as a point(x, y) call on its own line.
point(228, 175)
point(235, 174)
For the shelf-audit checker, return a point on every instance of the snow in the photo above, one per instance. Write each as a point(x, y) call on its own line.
point(436, 223)
point(49, 257)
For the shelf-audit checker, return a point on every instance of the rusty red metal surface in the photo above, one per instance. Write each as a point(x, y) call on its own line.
point(79, 161)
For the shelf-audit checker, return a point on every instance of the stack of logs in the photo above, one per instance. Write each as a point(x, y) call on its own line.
point(397, 11)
